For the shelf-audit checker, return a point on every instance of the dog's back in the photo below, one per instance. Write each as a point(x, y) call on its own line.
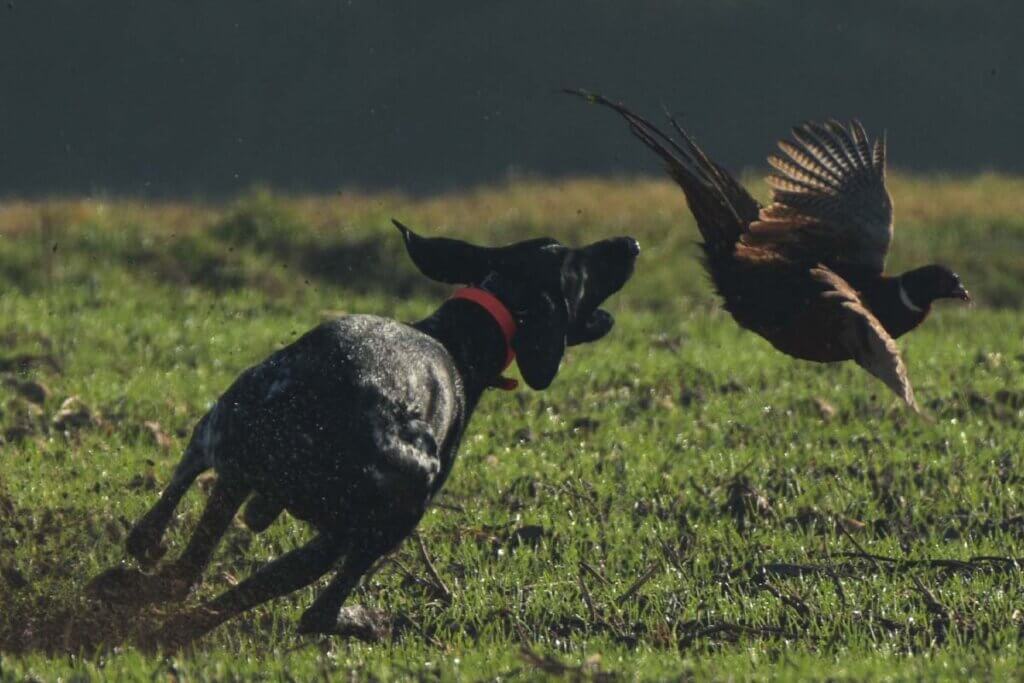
point(357, 409)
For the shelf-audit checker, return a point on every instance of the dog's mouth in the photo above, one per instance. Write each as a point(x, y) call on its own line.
point(596, 325)
point(960, 292)
point(592, 322)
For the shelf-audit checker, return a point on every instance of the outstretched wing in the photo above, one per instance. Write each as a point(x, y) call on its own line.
point(864, 337)
point(829, 200)
point(722, 207)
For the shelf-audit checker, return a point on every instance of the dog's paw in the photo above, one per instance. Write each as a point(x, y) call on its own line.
point(354, 621)
point(144, 546)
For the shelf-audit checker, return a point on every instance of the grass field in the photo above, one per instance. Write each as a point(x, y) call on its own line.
point(683, 502)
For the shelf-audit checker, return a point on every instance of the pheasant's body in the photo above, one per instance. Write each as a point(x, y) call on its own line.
point(774, 297)
point(806, 272)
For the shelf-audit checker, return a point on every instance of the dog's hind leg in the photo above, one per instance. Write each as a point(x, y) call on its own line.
point(144, 540)
point(322, 615)
point(288, 573)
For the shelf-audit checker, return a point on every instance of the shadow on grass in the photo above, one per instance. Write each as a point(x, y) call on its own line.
point(47, 609)
point(368, 263)
point(259, 245)
point(76, 627)
point(365, 266)
point(46, 612)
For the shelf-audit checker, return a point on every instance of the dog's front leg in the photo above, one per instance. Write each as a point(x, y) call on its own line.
point(260, 513)
point(288, 573)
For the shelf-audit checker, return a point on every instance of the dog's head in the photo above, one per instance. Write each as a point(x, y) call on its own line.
point(553, 291)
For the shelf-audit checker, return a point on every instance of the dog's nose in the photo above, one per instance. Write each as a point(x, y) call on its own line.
point(633, 246)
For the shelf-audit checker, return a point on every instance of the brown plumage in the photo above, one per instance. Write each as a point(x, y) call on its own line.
point(806, 271)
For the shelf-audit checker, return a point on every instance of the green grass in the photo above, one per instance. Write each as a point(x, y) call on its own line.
point(679, 450)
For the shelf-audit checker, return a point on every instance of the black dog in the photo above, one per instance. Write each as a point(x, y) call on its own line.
point(355, 427)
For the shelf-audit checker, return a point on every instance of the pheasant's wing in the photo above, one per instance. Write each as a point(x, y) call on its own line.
point(829, 200)
point(864, 337)
point(721, 205)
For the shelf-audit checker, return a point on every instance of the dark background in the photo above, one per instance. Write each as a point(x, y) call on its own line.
point(155, 97)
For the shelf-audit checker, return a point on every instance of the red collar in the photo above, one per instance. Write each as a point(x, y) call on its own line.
point(503, 317)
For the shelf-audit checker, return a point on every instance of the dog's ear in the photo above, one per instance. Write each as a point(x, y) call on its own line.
point(539, 341)
point(446, 260)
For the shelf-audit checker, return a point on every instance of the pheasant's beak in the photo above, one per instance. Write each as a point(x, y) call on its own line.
point(961, 293)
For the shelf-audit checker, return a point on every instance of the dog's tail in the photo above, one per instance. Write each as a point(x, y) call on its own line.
point(722, 207)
